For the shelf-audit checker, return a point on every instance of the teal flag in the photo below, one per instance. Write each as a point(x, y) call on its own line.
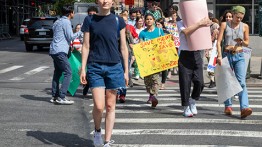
point(75, 63)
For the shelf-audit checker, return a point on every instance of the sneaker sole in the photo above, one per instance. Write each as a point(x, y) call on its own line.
point(188, 115)
point(58, 103)
point(228, 113)
point(247, 113)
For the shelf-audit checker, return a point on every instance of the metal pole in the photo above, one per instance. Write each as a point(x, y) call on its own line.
point(253, 17)
point(260, 76)
point(23, 10)
point(6, 12)
point(17, 18)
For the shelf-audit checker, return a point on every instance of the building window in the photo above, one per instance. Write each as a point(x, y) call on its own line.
point(222, 5)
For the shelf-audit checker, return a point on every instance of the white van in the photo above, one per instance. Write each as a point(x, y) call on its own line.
point(80, 10)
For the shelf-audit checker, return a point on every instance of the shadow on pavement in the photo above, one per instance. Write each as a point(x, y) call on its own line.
point(33, 97)
point(60, 138)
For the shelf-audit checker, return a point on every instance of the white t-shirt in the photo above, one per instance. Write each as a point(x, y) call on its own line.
point(183, 41)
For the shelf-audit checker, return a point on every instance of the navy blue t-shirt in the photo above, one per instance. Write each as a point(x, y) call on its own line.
point(103, 37)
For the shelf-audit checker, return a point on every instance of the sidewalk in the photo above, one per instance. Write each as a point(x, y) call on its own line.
point(253, 81)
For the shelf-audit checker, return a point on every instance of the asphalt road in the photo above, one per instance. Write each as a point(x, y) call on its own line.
point(28, 119)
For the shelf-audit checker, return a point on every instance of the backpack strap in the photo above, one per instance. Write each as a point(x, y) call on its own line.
point(118, 27)
point(159, 32)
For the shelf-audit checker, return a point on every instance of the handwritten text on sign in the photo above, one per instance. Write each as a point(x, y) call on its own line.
point(156, 55)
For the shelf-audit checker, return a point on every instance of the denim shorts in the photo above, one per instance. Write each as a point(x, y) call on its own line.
point(105, 75)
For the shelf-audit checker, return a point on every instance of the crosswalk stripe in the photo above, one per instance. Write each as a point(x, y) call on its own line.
point(173, 145)
point(122, 111)
point(10, 69)
point(145, 95)
point(172, 88)
point(29, 73)
point(204, 91)
point(178, 104)
point(177, 94)
point(142, 99)
point(186, 132)
point(185, 120)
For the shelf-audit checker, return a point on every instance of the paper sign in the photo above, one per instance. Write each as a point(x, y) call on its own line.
point(193, 11)
point(213, 58)
point(155, 55)
point(247, 54)
point(172, 29)
point(226, 82)
point(212, 62)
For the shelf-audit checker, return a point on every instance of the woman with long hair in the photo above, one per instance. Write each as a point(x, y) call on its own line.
point(227, 16)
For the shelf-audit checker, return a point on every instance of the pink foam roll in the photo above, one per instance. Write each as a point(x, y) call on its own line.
point(193, 11)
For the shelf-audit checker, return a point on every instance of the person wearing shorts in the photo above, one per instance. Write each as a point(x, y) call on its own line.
point(105, 72)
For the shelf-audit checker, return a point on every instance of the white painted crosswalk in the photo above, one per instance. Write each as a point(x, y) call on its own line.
point(22, 76)
point(183, 132)
point(8, 69)
point(29, 73)
point(136, 120)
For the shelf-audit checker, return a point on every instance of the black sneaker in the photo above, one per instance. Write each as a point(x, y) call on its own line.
point(212, 84)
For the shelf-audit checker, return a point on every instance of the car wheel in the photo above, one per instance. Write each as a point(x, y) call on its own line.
point(21, 37)
point(28, 48)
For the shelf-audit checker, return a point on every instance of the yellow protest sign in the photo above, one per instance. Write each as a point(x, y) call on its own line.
point(155, 55)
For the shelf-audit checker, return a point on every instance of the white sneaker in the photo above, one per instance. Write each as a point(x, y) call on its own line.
point(53, 99)
point(64, 101)
point(98, 141)
point(136, 77)
point(109, 143)
point(187, 112)
point(235, 98)
point(192, 105)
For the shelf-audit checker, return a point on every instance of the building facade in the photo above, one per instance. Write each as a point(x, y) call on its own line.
point(13, 12)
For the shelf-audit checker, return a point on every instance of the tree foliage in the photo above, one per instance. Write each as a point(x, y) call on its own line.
point(60, 3)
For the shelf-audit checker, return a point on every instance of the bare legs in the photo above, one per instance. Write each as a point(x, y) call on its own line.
point(100, 101)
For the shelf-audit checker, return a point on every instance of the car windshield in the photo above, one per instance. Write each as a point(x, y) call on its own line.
point(38, 24)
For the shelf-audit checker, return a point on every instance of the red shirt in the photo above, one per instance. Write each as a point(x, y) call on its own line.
point(132, 30)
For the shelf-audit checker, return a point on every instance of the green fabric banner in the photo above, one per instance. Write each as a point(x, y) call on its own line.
point(75, 63)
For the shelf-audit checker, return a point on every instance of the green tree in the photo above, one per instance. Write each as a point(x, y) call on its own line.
point(60, 3)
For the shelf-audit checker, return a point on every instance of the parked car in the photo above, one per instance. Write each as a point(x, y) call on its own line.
point(22, 28)
point(80, 10)
point(39, 32)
